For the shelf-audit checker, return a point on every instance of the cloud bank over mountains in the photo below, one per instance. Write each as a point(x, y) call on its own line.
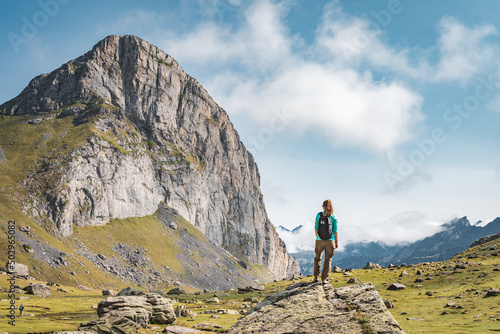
point(402, 229)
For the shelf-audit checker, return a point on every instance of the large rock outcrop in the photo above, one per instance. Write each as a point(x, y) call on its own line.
point(313, 308)
point(154, 135)
point(150, 308)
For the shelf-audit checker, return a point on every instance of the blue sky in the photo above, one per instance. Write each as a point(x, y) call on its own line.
point(390, 108)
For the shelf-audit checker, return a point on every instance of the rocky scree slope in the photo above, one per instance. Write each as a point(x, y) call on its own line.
point(154, 135)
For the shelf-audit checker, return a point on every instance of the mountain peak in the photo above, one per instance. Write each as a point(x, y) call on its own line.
point(458, 222)
point(124, 71)
point(152, 134)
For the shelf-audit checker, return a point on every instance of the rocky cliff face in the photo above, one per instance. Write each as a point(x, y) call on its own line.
point(152, 134)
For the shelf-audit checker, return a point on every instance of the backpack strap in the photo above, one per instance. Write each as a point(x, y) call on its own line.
point(321, 214)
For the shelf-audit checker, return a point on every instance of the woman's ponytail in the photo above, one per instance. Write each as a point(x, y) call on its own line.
point(328, 207)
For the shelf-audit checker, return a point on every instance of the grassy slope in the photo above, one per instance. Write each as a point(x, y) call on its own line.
point(464, 288)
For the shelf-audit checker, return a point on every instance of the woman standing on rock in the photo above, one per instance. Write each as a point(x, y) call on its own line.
point(326, 240)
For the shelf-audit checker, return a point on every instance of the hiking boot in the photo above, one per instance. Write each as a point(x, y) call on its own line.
point(325, 281)
point(315, 280)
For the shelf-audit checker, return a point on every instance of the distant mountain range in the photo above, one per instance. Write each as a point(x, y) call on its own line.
point(456, 236)
point(295, 230)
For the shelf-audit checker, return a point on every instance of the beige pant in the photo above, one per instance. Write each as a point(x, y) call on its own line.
point(328, 247)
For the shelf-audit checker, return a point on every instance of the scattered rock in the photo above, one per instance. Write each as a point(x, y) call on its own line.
point(429, 293)
point(336, 269)
point(61, 290)
point(177, 291)
point(180, 330)
point(129, 291)
point(251, 300)
point(182, 311)
point(415, 319)
point(108, 292)
point(388, 303)
point(83, 287)
point(207, 326)
point(24, 229)
point(173, 225)
point(17, 269)
point(27, 248)
point(492, 293)
point(37, 290)
point(403, 274)
point(419, 272)
point(396, 286)
point(214, 300)
point(419, 280)
point(354, 280)
point(370, 265)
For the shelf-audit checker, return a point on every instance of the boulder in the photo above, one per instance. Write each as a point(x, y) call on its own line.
point(214, 300)
point(149, 308)
point(110, 325)
point(370, 265)
point(337, 269)
point(180, 330)
point(17, 269)
point(177, 291)
point(353, 280)
point(396, 286)
point(208, 326)
point(388, 303)
point(37, 290)
point(492, 293)
point(130, 292)
point(316, 308)
point(183, 311)
point(108, 292)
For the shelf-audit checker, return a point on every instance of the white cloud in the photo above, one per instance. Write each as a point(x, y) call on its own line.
point(339, 105)
point(352, 40)
point(404, 228)
point(261, 42)
point(346, 107)
point(464, 52)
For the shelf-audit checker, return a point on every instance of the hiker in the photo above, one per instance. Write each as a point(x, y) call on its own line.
point(21, 309)
point(326, 240)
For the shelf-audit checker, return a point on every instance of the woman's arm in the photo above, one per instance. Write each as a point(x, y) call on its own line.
point(336, 240)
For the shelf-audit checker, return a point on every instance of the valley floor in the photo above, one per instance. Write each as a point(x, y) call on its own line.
point(444, 297)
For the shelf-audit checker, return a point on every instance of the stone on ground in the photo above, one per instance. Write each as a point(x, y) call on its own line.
point(316, 308)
